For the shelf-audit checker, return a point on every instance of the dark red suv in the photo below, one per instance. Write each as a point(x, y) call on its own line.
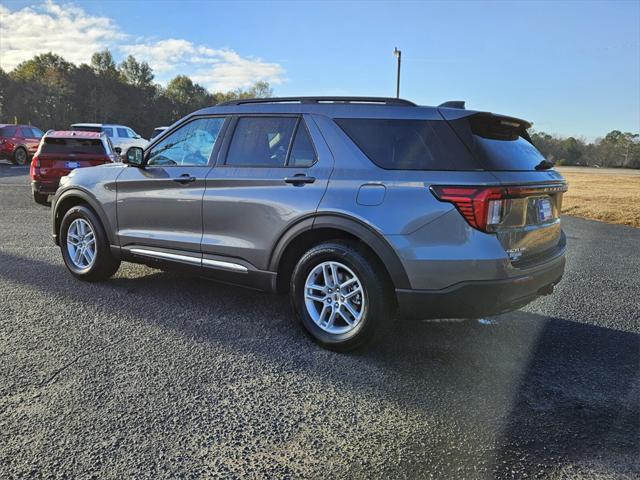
point(18, 143)
point(61, 152)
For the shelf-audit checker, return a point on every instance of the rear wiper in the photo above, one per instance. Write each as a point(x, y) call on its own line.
point(545, 165)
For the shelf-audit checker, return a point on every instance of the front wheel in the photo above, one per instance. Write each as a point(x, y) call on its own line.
point(84, 245)
point(341, 297)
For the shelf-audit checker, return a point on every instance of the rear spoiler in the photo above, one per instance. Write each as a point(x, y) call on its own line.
point(485, 124)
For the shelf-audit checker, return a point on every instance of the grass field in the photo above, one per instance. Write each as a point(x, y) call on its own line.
point(608, 195)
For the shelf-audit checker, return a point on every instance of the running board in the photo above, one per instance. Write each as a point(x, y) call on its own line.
point(206, 262)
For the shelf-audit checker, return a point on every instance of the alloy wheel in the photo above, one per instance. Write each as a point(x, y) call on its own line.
point(334, 297)
point(81, 243)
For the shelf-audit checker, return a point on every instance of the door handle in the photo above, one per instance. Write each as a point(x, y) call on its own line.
point(299, 179)
point(185, 178)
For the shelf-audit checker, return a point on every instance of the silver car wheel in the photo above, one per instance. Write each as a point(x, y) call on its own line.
point(334, 297)
point(81, 244)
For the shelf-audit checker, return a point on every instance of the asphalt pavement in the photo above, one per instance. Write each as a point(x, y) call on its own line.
point(161, 375)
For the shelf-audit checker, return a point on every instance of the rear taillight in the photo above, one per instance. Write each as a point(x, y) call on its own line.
point(485, 208)
point(34, 171)
point(482, 207)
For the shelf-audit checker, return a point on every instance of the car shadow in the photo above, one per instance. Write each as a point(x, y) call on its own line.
point(551, 390)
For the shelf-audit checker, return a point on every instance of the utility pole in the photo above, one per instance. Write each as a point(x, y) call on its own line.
point(398, 54)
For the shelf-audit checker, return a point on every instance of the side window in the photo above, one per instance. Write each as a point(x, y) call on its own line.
point(190, 144)
point(108, 131)
point(261, 141)
point(122, 133)
point(398, 144)
point(131, 133)
point(37, 133)
point(302, 152)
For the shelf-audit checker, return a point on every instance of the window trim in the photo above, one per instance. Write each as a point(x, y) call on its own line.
point(223, 153)
point(214, 151)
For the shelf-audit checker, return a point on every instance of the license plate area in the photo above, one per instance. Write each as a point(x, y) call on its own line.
point(541, 210)
point(73, 164)
point(544, 209)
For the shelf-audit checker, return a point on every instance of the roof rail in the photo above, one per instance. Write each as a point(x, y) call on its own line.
point(372, 100)
point(453, 104)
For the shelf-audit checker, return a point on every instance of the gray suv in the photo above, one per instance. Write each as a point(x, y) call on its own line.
point(357, 207)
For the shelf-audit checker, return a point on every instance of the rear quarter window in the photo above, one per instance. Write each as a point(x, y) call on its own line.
point(73, 145)
point(397, 144)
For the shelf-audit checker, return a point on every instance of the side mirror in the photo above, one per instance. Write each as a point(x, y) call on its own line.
point(118, 150)
point(134, 156)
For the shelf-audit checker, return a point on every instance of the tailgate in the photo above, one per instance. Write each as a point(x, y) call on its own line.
point(55, 166)
point(530, 230)
point(527, 214)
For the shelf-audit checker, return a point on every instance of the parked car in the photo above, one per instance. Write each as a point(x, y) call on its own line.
point(157, 131)
point(60, 152)
point(121, 136)
point(354, 206)
point(18, 143)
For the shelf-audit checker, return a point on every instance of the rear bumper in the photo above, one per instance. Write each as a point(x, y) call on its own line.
point(48, 187)
point(475, 299)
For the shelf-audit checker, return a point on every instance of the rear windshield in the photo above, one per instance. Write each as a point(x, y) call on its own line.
point(396, 144)
point(498, 143)
point(73, 145)
point(516, 154)
point(8, 131)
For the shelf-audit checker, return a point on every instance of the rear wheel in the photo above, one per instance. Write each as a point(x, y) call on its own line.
point(340, 296)
point(84, 245)
point(20, 156)
point(41, 198)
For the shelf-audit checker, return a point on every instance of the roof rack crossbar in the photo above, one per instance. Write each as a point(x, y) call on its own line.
point(373, 100)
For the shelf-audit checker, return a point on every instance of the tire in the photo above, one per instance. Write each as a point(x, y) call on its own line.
point(103, 265)
point(375, 305)
point(20, 156)
point(41, 198)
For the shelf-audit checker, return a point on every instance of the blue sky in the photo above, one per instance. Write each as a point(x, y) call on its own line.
point(573, 68)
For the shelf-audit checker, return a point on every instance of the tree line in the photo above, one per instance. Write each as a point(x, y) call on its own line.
point(49, 92)
point(615, 149)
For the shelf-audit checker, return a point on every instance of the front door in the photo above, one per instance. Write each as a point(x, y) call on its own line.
point(160, 204)
point(271, 172)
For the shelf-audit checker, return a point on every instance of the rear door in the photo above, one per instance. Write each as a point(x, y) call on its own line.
point(271, 172)
point(160, 206)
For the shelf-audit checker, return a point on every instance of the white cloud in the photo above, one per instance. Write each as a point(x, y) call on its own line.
point(69, 31)
point(63, 29)
point(218, 70)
